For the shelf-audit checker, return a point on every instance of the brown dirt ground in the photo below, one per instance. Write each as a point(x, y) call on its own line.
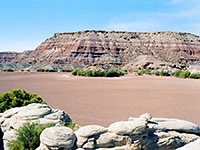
point(105, 100)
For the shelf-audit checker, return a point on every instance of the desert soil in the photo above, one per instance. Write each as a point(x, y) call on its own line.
point(105, 100)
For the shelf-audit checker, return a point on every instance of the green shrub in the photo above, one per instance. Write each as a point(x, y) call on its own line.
point(8, 70)
point(139, 73)
point(146, 71)
point(198, 75)
point(40, 70)
point(157, 73)
point(112, 73)
point(195, 76)
point(72, 125)
point(17, 98)
point(28, 136)
point(176, 73)
point(187, 74)
point(184, 74)
point(66, 70)
point(88, 73)
point(74, 72)
point(98, 73)
point(50, 70)
point(164, 73)
point(80, 72)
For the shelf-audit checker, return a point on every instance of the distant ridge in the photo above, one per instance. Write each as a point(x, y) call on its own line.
point(120, 49)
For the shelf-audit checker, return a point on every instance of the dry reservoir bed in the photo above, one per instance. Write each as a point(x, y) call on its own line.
point(105, 100)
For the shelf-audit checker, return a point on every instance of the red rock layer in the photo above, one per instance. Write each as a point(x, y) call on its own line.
point(87, 47)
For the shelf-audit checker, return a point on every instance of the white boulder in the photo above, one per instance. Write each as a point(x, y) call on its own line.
point(164, 124)
point(128, 127)
point(195, 145)
point(58, 137)
point(110, 140)
point(83, 133)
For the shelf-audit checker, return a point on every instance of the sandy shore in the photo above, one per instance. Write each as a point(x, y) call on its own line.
point(105, 100)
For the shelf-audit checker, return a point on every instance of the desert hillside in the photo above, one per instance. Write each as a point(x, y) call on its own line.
point(106, 49)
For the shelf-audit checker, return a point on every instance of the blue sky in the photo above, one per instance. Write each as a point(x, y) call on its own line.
point(24, 24)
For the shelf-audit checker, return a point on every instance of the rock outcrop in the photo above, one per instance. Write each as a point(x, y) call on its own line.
point(194, 68)
point(13, 118)
point(144, 132)
point(8, 59)
point(136, 134)
point(191, 146)
point(106, 49)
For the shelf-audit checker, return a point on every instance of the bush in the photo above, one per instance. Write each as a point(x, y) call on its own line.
point(112, 73)
point(176, 73)
point(88, 73)
point(184, 74)
point(195, 76)
point(146, 71)
point(181, 74)
point(139, 73)
point(157, 73)
point(50, 70)
point(8, 70)
point(40, 70)
point(18, 98)
point(66, 70)
point(98, 73)
point(28, 136)
point(164, 73)
point(74, 72)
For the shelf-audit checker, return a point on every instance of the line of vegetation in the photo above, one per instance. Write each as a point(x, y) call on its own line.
point(8, 70)
point(18, 98)
point(177, 73)
point(46, 70)
point(14, 70)
point(66, 70)
point(98, 73)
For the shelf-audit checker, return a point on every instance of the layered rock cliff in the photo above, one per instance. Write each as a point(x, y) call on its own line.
point(9, 59)
point(116, 49)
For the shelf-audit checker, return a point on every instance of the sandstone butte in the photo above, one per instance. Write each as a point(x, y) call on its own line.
point(106, 49)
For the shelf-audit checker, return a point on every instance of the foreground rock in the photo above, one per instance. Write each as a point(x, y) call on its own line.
point(13, 118)
point(57, 138)
point(191, 146)
point(144, 132)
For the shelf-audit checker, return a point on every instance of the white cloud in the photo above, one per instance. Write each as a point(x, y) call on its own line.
point(182, 17)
